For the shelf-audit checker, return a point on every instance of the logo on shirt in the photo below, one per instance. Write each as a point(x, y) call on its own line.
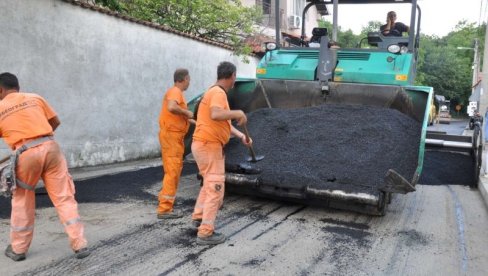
point(12, 109)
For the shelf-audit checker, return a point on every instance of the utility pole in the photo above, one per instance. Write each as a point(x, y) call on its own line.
point(476, 64)
point(484, 88)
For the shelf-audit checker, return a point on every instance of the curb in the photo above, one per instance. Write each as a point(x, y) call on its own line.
point(483, 188)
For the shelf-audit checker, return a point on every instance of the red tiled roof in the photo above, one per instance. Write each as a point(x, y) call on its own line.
point(147, 23)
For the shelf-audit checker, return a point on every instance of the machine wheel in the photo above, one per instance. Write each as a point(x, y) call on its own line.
point(477, 152)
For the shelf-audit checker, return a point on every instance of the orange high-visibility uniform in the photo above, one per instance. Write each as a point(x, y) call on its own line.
point(208, 140)
point(172, 131)
point(23, 119)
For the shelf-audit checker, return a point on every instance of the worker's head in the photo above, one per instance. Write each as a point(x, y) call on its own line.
point(226, 72)
point(182, 78)
point(8, 83)
point(391, 16)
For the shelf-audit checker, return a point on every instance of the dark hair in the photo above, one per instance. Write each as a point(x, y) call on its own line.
point(9, 81)
point(180, 75)
point(225, 70)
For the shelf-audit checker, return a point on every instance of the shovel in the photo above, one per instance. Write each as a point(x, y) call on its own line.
point(253, 158)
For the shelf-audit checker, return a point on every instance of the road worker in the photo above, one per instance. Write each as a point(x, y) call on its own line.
point(27, 125)
point(392, 27)
point(173, 126)
point(212, 132)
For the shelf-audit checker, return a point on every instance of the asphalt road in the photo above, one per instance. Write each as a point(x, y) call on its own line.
point(437, 230)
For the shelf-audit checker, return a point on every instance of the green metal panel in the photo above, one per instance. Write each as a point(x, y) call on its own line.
point(289, 64)
point(417, 94)
point(373, 67)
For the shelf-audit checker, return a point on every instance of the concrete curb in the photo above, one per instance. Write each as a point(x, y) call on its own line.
point(97, 171)
point(84, 173)
point(483, 181)
point(483, 187)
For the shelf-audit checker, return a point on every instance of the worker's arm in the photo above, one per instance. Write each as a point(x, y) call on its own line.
point(389, 25)
point(54, 122)
point(241, 135)
point(174, 108)
point(220, 114)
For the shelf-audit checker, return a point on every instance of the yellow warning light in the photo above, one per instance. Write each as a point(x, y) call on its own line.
point(260, 71)
point(337, 78)
point(401, 77)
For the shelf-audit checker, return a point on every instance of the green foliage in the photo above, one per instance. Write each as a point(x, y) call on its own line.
point(445, 67)
point(226, 21)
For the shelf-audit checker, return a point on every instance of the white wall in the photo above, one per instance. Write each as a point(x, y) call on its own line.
point(103, 75)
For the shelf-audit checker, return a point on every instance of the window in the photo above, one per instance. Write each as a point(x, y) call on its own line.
point(265, 5)
point(298, 6)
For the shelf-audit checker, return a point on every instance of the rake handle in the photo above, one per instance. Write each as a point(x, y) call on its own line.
point(251, 150)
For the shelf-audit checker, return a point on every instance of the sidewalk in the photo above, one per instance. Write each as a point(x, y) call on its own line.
point(483, 181)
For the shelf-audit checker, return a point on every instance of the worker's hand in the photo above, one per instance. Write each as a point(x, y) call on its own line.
point(241, 118)
point(189, 114)
point(246, 142)
point(191, 121)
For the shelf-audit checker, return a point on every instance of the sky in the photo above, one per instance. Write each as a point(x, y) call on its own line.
point(439, 17)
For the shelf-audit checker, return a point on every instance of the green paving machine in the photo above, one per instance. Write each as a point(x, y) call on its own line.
point(380, 74)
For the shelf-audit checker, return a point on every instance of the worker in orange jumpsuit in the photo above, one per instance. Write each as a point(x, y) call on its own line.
point(212, 132)
point(173, 126)
point(27, 125)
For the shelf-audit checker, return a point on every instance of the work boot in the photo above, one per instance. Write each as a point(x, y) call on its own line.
point(215, 238)
point(9, 252)
point(196, 223)
point(170, 215)
point(82, 253)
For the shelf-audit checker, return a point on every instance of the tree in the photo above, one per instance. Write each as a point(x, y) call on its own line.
point(226, 21)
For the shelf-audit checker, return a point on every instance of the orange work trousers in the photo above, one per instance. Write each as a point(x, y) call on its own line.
point(172, 150)
point(211, 164)
point(47, 161)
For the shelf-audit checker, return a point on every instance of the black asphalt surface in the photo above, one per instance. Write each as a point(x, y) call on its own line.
point(345, 147)
point(108, 188)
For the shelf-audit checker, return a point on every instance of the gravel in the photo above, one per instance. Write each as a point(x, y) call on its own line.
point(347, 147)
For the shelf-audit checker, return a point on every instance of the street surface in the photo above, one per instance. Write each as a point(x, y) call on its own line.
point(456, 127)
point(437, 230)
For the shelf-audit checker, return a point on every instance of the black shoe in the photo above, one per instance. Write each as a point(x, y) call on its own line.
point(215, 238)
point(196, 223)
point(82, 253)
point(170, 215)
point(14, 256)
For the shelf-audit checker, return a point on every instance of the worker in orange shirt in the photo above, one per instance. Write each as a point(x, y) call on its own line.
point(173, 126)
point(27, 125)
point(212, 132)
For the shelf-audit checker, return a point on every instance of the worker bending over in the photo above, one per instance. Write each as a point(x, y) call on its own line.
point(27, 125)
point(173, 126)
point(212, 132)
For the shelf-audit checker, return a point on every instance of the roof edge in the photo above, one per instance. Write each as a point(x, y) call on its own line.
point(146, 23)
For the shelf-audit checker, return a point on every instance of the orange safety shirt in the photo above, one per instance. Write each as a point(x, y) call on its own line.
point(208, 130)
point(168, 120)
point(24, 116)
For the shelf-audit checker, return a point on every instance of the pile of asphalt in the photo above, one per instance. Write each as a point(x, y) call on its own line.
point(441, 168)
point(346, 147)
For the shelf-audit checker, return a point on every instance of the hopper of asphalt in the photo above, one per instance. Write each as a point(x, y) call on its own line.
point(346, 147)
